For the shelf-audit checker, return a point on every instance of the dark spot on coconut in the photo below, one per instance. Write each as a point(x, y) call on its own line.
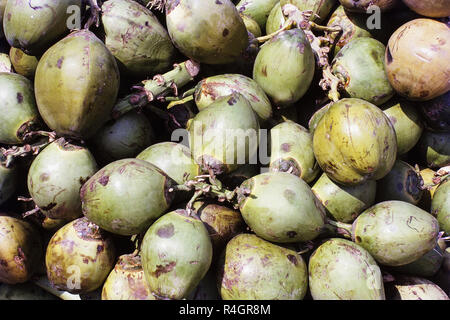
point(20, 258)
point(412, 184)
point(83, 192)
point(225, 32)
point(358, 239)
point(374, 55)
point(218, 2)
point(19, 97)
point(161, 269)
point(289, 195)
point(181, 27)
point(103, 180)
point(393, 120)
point(100, 248)
point(166, 231)
point(265, 261)
point(435, 47)
point(171, 5)
point(92, 185)
point(232, 101)
point(301, 47)
point(8, 17)
point(44, 177)
point(389, 56)
point(264, 71)
point(286, 147)
point(265, 180)
point(291, 234)
point(59, 63)
point(122, 169)
point(424, 93)
point(85, 260)
point(292, 259)
point(49, 206)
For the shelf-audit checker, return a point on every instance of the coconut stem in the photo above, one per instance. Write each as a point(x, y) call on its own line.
point(440, 176)
point(318, 27)
point(301, 19)
point(157, 4)
point(331, 83)
point(343, 229)
point(94, 16)
point(289, 24)
point(31, 212)
point(11, 154)
point(158, 87)
point(180, 101)
point(207, 185)
point(306, 247)
point(194, 198)
point(443, 172)
point(137, 241)
point(187, 93)
point(320, 47)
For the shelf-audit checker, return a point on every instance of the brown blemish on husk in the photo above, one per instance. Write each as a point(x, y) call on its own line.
point(264, 71)
point(166, 231)
point(59, 63)
point(129, 262)
point(162, 269)
point(104, 180)
point(291, 234)
point(207, 162)
point(286, 147)
point(87, 230)
point(171, 5)
point(19, 97)
point(292, 259)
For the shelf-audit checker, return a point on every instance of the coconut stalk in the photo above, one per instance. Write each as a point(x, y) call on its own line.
point(157, 88)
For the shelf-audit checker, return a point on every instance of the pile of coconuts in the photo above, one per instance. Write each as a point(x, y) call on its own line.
point(225, 150)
